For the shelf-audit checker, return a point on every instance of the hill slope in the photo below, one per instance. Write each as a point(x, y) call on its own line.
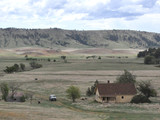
point(11, 38)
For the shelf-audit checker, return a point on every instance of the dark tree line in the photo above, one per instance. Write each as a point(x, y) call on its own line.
point(155, 52)
point(38, 59)
point(21, 67)
point(151, 56)
point(15, 68)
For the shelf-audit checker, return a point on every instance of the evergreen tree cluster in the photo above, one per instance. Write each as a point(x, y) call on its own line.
point(151, 56)
point(91, 90)
point(155, 52)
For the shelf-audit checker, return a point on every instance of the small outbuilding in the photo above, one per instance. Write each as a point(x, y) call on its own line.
point(115, 92)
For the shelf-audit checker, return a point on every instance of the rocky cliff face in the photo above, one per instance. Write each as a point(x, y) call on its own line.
point(11, 38)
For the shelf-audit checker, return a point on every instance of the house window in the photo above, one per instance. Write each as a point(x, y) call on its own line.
point(103, 98)
point(122, 97)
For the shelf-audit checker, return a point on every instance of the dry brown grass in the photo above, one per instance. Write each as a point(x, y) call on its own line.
point(23, 111)
point(52, 81)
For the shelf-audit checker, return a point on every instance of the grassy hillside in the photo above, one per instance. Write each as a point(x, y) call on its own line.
point(51, 38)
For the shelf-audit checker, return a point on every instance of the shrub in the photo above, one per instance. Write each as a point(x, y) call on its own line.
point(99, 57)
point(140, 99)
point(149, 60)
point(147, 89)
point(22, 66)
point(22, 99)
point(63, 57)
point(49, 59)
point(16, 67)
point(35, 65)
point(89, 92)
point(9, 69)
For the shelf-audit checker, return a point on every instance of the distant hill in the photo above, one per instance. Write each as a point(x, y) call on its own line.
point(50, 38)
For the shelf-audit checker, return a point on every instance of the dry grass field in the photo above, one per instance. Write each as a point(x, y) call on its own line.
point(56, 77)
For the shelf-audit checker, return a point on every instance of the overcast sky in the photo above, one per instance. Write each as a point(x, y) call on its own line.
point(143, 15)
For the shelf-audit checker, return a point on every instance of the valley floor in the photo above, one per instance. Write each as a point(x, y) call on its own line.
point(56, 77)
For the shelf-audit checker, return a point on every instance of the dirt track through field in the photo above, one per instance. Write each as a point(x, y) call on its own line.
point(101, 114)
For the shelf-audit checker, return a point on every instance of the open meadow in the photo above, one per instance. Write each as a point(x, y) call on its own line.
point(56, 76)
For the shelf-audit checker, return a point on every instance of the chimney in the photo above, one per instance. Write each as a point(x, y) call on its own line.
point(108, 81)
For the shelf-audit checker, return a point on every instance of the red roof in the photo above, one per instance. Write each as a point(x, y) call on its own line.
point(113, 89)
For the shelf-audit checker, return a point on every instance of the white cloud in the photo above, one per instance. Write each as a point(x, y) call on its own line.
point(158, 2)
point(72, 17)
point(81, 14)
point(10, 5)
point(135, 8)
point(40, 4)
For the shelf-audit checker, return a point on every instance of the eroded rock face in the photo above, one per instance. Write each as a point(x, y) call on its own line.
point(48, 38)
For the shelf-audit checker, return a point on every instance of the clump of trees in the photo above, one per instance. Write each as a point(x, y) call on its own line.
point(93, 57)
point(91, 90)
point(21, 67)
point(13, 88)
point(149, 60)
point(64, 58)
point(126, 77)
point(146, 91)
point(73, 93)
point(35, 65)
point(31, 58)
point(42, 59)
point(151, 56)
point(15, 68)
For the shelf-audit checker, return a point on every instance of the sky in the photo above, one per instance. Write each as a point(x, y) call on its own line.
point(141, 15)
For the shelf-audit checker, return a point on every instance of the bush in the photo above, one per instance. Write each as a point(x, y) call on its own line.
point(149, 60)
point(147, 89)
point(63, 57)
point(140, 99)
point(99, 57)
point(35, 65)
point(89, 92)
point(16, 67)
point(49, 59)
point(22, 66)
point(9, 69)
point(22, 99)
